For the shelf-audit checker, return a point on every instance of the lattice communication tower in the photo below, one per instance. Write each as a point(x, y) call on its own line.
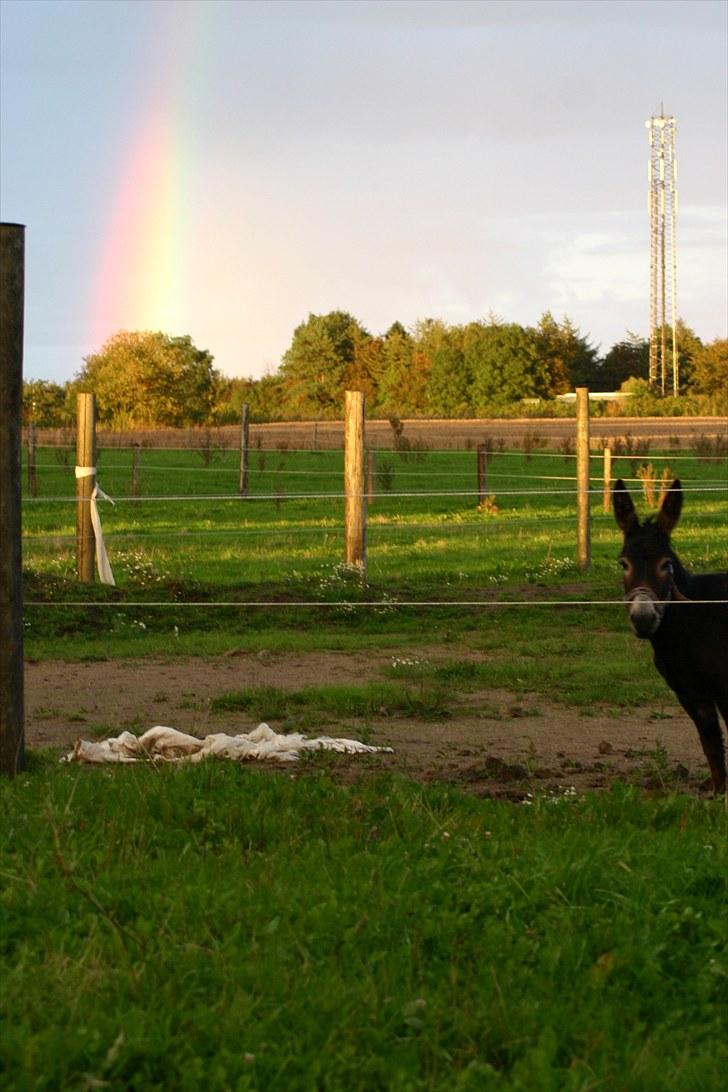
point(662, 206)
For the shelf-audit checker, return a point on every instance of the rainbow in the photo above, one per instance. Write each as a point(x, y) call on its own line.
point(139, 278)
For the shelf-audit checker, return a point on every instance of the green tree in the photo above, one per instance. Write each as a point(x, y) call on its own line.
point(569, 358)
point(507, 365)
point(44, 403)
point(428, 335)
point(365, 371)
point(688, 344)
point(146, 378)
point(627, 359)
point(450, 378)
point(315, 368)
point(403, 383)
point(710, 368)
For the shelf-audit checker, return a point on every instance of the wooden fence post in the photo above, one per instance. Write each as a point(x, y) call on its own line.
point(135, 461)
point(244, 448)
point(482, 473)
point(607, 478)
point(85, 459)
point(355, 498)
point(583, 516)
point(12, 294)
point(32, 470)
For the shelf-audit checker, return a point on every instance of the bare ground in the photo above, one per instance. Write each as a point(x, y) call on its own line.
point(494, 743)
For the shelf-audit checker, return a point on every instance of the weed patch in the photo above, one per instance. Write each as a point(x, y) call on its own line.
point(375, 700)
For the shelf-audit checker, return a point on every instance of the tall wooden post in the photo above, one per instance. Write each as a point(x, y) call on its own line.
point(583, 543)
point(482, 473)
point(32, 471)
point(607, 479)
point(355, 499)
point(12, 296)
point(244, 448)
point(85, 459)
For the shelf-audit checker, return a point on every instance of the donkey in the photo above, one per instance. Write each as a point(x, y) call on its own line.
point(689, 639)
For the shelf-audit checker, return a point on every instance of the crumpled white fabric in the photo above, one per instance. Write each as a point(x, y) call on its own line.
point(169, 745)
point(103, 564)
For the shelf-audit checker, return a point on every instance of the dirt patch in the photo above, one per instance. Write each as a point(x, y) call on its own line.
point(496, 742)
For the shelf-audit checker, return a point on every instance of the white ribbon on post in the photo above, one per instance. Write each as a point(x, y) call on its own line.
point(103, 567)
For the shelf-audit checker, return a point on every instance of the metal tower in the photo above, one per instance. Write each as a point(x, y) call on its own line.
point(662, 206)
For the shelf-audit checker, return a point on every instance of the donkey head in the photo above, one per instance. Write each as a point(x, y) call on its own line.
point(647, 559)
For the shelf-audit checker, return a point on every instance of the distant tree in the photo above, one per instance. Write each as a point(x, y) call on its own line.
point(688, 343)
point(710, 368)
point(627, 359)
point(267, 401)
point(450, 381)
point(44, 403)
point(315, 368)
point(397, 330)
point(429, 335)
point(569, 358)
point(403, 382)
point(507, 365)
point(364, 372)
point(144, 378)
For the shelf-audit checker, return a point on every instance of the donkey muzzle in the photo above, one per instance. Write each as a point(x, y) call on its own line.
point(645, 611)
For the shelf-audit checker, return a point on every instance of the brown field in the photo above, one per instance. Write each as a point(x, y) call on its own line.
point(428, 434)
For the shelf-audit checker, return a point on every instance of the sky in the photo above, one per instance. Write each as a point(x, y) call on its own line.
point(225, 168)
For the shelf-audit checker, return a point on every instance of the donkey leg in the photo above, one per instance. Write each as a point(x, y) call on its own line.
point(705, 718)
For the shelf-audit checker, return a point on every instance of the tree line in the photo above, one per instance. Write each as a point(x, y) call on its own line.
point(434, 369)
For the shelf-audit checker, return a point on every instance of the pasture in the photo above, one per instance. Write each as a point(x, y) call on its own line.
point(361, 923)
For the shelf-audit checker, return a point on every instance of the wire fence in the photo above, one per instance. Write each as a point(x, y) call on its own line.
point(514, 506)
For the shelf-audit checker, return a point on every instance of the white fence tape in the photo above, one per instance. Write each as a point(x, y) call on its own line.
point(103, 566)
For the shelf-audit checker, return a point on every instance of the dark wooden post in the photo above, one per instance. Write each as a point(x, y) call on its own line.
point(482, 473)
point(355, 498)
point(136, 487)
point(12, 296)
point(32, 471)
point(85, 459)
point(244, 448)
point(583, 515)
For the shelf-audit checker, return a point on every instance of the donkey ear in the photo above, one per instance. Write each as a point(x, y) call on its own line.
point(671, 508)
point(624, 510)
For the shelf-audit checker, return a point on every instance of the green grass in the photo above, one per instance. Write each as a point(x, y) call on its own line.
point(284, 551)
point(286, 558)
point(427, 702)
point(225, 928)
point(417, 541)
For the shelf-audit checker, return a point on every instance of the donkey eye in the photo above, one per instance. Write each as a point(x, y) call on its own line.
point(666, 567)
point(624, 563)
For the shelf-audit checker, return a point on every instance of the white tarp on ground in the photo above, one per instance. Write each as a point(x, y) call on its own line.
point(169, 745)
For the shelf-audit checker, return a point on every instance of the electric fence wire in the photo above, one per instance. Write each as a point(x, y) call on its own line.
point(379, 604)
point(191, 498)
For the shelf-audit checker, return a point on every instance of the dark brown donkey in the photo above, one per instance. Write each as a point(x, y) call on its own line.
point(667, 605)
